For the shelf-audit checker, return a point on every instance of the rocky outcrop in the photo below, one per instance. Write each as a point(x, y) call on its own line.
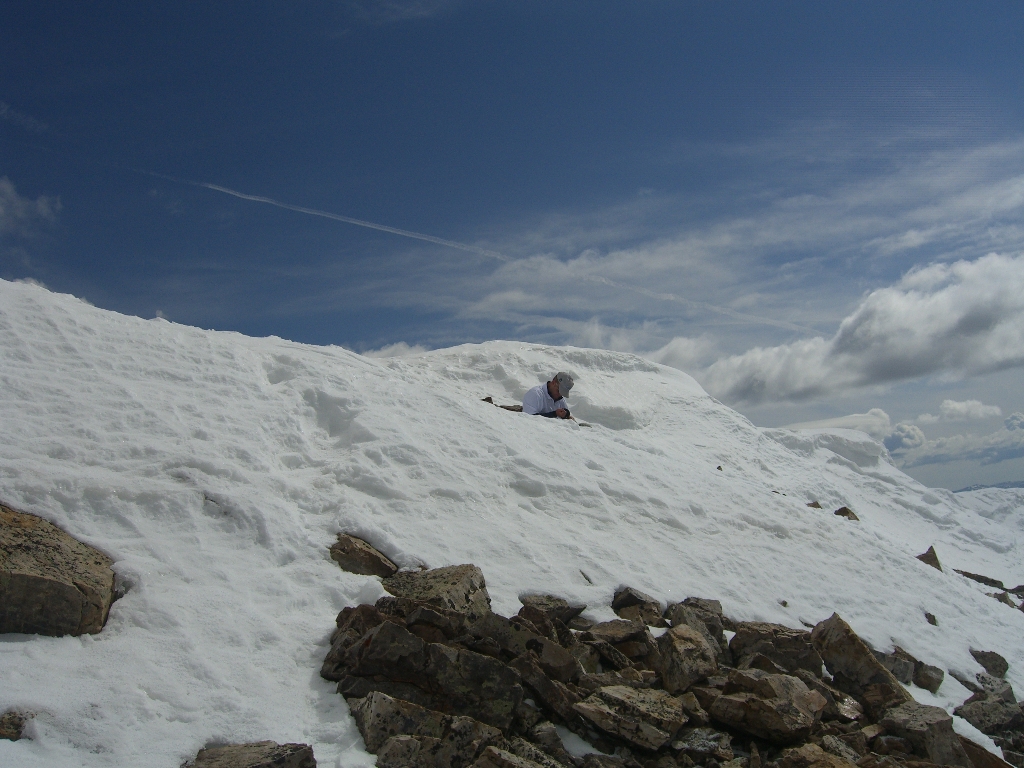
point(260, 754)
point(778, 708)
point(553, 607)
point(686, 658)
point(929, 730)
point(459, 588)
point(851, 662)
point(634, 605)
point(50, 583)
point(646, 718)
point(706, 617)
point(791, 649)
point(356, 556)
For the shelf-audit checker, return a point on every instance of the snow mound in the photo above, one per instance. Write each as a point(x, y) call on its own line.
point(216, 469)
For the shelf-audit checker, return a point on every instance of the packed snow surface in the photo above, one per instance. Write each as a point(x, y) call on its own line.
point(216, 469)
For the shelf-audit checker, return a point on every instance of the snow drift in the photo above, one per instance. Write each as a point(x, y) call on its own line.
point(216, 469)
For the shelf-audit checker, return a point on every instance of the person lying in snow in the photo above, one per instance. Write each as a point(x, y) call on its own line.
point(548, 399)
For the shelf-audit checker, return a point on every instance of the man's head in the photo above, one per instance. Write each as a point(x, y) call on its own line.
point(560, 385)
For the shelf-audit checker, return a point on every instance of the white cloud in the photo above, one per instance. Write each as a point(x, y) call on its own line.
point(962, 319)
point(955, 410)
point(399, 349)
point(1002, 445)
point(875, 422)
point(21, 215)
point(904, 438)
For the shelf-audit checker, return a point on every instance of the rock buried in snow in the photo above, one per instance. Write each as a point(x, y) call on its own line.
point(847, 513)
point(992, 662)
point(12, 725)
point(50, 583)
point(647, 718)
point(852, 663)
point(356, 556)
point(260, 754)
point(930, 558)
point(929, 730)
point(457, 587)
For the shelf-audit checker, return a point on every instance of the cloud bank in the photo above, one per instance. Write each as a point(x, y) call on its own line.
point(965, 318)
point(953, 410)
point(1002, 445)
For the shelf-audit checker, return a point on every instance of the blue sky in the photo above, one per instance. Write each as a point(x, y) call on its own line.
point(815, 209)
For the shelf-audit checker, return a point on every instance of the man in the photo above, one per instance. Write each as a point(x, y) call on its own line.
point(548, 399)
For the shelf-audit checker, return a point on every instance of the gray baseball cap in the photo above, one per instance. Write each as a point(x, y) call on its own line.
point(565, 383)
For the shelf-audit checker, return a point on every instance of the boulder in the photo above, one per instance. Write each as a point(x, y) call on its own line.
point(699, 615)
point(702, 744)
point(930, 558)
point(929, 730)
point(846, 512)
point(524, 749)
point(928, 677)
point(789, 648)
point(836, 746)
point(12, 725)
point(352, 624)
point(779, 708)
point(516, 640)
point(852, 663)
point(554, 607)
point(50, 583)
point(993, 663)
point(546, 737)
point(616, 631)
point(493, 757)
point(981, 757)
point(838, 705)
point(459, 740)
point(405, 751)
point(628, 676)
point(685, 657)
point(634, 605)
point(260, 754)
point(646, 718)
point(811, 756)
point(356, 556)
point(609, 654)
point(552, 694)
point(900, 663)
point(990, 714)
point(458, 588)
point(391, 659)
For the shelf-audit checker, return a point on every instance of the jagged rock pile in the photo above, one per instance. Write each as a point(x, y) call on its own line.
point(434, 678)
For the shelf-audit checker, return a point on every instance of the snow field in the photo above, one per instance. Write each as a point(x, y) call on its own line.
point(216, 469)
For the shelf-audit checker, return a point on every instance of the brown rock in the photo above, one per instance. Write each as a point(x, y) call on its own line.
point(524, 749)
point(609, 654)
point(991, 714)
point(685, 658)
point(12, 725)
point(634, 605)
point(647, 718)
point(552, 694)
point(878, 697)
point(629, 676)
point(493, 757)
point(847, 513)
point(50, 583)
point(811, 756)
point(616, 631)
point(930, 558)
point(515, 640)
point(838, 705)
point(929, 730)
point(928, 677)
point(981, 757)
point(700, 744)
point(814, 505)
point(260, 754)
point(777, 720)
point(789, 648)
point(993, 663)
point(852, 663)
point(706, 617)
point(553, 607)
point(356, 556)
point(458, 588)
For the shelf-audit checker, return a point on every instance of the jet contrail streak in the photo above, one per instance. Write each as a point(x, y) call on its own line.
point(358, 222)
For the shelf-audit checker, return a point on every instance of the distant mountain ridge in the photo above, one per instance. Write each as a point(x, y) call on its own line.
point(1008, 484)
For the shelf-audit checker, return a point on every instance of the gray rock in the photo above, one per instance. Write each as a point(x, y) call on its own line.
point(993, 663)
point(458, 588)
point(981, 757)
point(260, 754)
point(552, 694)
point(929, 730)
point(493, 757)
point(554, 607)
point(990, 714)
point(459, 739)
point(50, 583)
point(834, 745)
point(631, 677)
point(547, 738)
point(852, 663)
point(356, 556)
point(700, 744)
point(900, 663)
point(686, 657)
point(524, 749)
point(838, 705)
point(928, 677)
point(352, 624)
point(555, 660)
point(647, 718)
point(789, 648)
point(406, 751)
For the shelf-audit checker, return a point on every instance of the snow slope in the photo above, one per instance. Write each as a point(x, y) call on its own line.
point(216, 469)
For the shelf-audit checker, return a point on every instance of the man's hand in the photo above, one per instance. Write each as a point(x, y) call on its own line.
point(561, 413)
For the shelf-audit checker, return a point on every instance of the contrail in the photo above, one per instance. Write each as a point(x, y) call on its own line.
point(492, 254)
point(357, 222)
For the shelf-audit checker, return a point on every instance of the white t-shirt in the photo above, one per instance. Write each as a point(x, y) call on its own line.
point(537, 400)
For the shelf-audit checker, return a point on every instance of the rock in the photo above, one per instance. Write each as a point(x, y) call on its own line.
point(811, 756)
point(524, 749)
point(12, 725)
point(515, 640)
point(686, 657)
point(547, 738)
point(356, 556)
point(1004, 598)
point(588, 657)
point(493, 757)
point(410, 752)
point(594, 760)
point(50, 583)
point(459, 739)
point(708, 623)
point(634, 605)
point(260, 754)
point(763, 663)
point(553, 607)
point(928, 677)
point(1014, 758)
point(609, 654)
point(546, 626)
point(847, 513)
point(694, 711)
point(777, 720)
point(981, 757)
point(647, 718)
point(993, 663)
point(836, 746)
point(838, 705)
point(814, 505)
point(554, 695)
point(878, 697)
point(616, 631)
point(789, 648)
point(900, 663)
point(929, 730)
point(353, 623)
point(988, 582)
point(850, 660)
point(452, 680)
point(631, 677)
point(891, 745)
point(700, 744)
point(990, 714)
point(458, 588)
point(930, 618)
point(930, 558)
